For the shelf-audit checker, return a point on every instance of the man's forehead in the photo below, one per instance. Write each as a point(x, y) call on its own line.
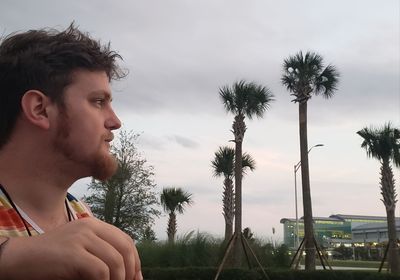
point(91, 80)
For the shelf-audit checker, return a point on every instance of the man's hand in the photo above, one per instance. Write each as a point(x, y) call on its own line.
point(86, 249)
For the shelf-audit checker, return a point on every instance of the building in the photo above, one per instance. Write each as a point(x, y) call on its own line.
point(336, 230)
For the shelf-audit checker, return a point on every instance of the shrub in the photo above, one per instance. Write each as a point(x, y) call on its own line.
point(207, 273)
point(203, 250)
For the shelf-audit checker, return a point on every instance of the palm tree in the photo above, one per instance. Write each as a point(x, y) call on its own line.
point(174, 200)
point(384, 145)
point(223, 165)
point(304, 76)
point(243, 99)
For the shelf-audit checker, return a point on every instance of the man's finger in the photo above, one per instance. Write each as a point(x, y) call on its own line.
point(110, 255)
point(94, 268)
point(123, 244)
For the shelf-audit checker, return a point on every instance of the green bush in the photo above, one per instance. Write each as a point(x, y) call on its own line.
point(330, 275)
point(198, 273)
point(203, 250)
point(208, 273)
point(190, 250)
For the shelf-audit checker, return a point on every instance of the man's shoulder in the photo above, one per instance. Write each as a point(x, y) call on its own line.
point(10, 222)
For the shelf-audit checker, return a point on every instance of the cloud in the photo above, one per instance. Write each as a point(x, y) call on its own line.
point(183, 141)
point(151, 142)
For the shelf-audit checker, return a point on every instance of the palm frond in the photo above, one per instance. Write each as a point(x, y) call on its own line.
point(175, 199)
point(227, 98)
point(305, 74)
point(396, 144)
point(223, 162)
point(382, 143)
point(248, 162)
point(246, 98)
point(312, 63)
point(259, 100)
point(326, 82)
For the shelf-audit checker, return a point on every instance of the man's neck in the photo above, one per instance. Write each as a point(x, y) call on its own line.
point(35, 184)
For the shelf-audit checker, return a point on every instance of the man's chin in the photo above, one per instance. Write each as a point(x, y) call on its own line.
point(105, 168)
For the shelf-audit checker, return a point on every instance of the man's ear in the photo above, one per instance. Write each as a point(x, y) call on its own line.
point(35, 106)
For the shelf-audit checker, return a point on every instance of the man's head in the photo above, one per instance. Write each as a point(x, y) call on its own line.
point(45, 60)
point(83, 126)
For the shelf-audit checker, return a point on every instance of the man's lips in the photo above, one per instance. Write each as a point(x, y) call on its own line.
point(109, 138)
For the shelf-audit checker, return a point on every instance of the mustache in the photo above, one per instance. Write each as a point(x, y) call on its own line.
point(109, 137)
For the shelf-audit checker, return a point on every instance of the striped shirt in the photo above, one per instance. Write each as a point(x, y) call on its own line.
point(13, 225)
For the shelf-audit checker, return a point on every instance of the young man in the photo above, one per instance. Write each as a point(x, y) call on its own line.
point(56, 124)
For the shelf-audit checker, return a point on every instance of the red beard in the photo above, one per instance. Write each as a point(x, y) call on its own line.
point(101, 165)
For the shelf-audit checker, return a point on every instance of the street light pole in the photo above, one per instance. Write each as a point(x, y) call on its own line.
point(296, 167)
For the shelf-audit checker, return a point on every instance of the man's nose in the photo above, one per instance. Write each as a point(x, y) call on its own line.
point(113, 122)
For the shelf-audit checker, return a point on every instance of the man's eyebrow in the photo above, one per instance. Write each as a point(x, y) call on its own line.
point(106, 94)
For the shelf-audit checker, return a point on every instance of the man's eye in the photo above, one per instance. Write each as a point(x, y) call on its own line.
point(99, 102)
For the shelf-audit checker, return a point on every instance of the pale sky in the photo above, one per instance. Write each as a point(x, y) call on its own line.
point(179, 53)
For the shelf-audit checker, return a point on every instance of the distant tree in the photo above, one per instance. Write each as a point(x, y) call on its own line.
point(304, 76)
point(248, 234)
point(243, 99)
point(223, 165)
point(149, 235)
point(384, 144)
point(128, 199)
point(174, 200)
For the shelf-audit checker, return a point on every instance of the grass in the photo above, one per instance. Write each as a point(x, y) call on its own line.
point(351, 263)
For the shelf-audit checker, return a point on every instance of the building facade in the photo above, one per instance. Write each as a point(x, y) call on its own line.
point(337, 230)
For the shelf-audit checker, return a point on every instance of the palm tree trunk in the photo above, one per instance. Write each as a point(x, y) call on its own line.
point(228, 230)
point(171, 231)
point(228, 208)
point(389, 200)
point(305, 180)
point(239, 128)
point(238, 187)
point(393, 258)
